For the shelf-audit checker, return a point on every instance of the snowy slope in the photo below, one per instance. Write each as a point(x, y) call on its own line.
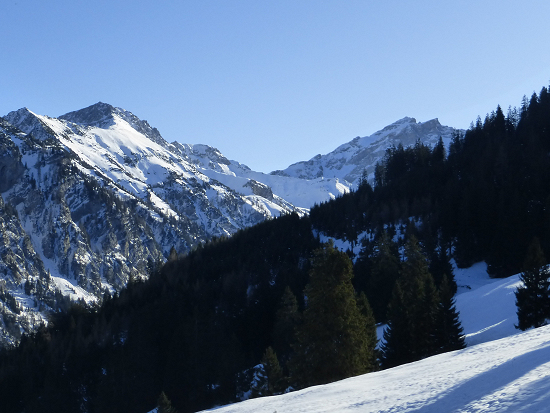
point(507, 375)
point(324, 177)
point(97, 197)
point(348, 162)
point(501, 370)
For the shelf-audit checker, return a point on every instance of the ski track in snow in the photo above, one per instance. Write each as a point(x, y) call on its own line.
point(501, 370)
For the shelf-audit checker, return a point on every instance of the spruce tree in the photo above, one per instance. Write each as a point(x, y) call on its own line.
point(370, 324)
point(396, 348)
point(424, 320)
point(164, 404)
point(449, 333)
point(332, 342)
point(384, 273)
point(420, 298)
point(287, 320)
point(410, 334)
point(440, 266)
point(269, 376)
point(533, 298)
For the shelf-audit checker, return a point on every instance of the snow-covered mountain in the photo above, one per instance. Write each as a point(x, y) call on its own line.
point(501, 370)
point(349, 161)
point(97, 197)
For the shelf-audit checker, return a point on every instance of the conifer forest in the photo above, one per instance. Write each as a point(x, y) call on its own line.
point(274, 309)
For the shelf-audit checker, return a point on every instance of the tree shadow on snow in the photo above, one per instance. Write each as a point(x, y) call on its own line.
point(488, 383)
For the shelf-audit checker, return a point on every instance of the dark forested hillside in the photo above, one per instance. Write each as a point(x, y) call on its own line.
point(196, 324)
point(486, 199)
point(264, 303)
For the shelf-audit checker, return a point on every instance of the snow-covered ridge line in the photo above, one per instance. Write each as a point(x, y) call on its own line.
point(350, 160)
point(99, 197)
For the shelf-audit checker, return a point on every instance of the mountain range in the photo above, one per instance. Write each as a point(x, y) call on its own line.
point(96, 198)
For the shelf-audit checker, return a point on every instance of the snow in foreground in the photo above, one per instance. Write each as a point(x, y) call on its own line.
point(506, 375)
point(502, 370)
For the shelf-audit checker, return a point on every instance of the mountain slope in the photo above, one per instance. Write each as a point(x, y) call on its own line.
point(349, 161)
point(99, 198)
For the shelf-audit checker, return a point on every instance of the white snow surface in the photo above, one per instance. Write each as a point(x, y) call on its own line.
point(501, 370)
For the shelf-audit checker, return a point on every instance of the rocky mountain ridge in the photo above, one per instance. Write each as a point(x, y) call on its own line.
point(352, 160)
point(97, 198)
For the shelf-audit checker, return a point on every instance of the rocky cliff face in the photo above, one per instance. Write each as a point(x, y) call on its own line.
point(351, 161)
point(96, 198)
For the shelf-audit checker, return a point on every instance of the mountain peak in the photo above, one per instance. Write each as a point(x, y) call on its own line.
point(349, 161)
point(104, 115)
point(406, 119)
point(28, 122)
point(19, 115)
point(99, 114)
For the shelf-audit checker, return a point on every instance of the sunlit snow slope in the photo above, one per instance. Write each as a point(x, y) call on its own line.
point(502, 370)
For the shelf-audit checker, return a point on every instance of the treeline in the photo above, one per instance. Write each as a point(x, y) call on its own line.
point(487, 198)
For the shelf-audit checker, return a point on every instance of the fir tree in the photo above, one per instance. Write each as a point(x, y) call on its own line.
point(383, 275)
point(412, 313)
point(164, 404)
point(332, 342)
point(449, 333)
point(440, 266)
point(269, 378)
point(370, 324)
point(287, 320)
point(533, 298)
point(396, 347)
point(421, 299)
point(424, 319)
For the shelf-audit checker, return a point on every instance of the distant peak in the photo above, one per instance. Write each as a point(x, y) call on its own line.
point(406, 119)
point(434, 121)
point(22, 118)
point(94, 115)
point(21, 112)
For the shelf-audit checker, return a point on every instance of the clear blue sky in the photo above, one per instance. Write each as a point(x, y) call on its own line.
point(273, 82)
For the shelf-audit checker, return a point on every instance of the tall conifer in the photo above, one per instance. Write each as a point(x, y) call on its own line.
point(410, 334)
point(533, 298)
point(396, 347)
point(287, 320)
point(370, 324)
point(269, 378)
point(332, 341)
point(449, 333)
point(384, 273)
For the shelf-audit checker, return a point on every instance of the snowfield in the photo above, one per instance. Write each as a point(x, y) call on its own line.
point(501, 370)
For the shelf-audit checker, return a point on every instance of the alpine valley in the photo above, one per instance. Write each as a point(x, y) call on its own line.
point(98, 198)
point(155, 276)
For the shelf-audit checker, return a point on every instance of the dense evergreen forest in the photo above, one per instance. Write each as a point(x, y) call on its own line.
point(484, 200)
point(272, 308)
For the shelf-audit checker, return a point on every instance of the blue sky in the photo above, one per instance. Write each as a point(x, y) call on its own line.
point(270, 83)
